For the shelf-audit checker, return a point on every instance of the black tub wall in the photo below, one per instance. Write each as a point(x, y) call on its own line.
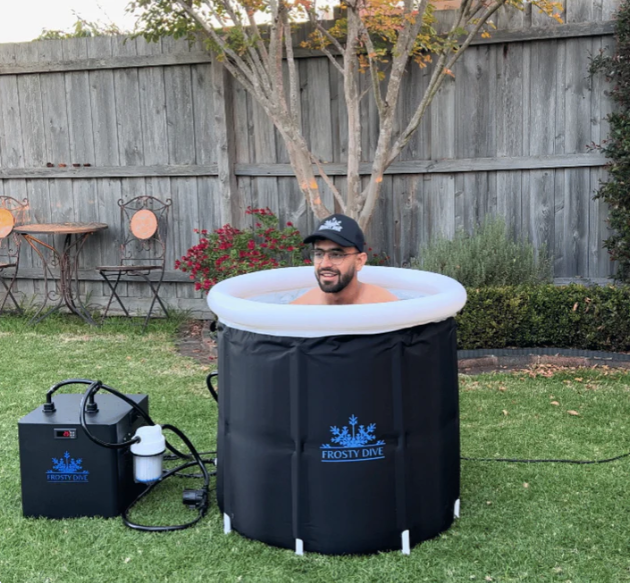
point(279, 397)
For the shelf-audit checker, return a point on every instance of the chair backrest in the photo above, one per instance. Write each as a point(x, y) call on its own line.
point(144, 227)
point(12, 213)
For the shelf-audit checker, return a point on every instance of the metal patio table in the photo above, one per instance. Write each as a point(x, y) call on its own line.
point(62, 288)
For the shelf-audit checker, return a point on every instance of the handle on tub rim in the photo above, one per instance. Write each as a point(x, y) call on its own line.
point(211, 388)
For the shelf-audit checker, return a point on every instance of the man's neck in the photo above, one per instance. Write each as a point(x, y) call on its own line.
point(348, 295)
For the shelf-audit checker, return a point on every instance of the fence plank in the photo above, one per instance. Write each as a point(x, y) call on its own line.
point(542, 89)
point(509, 200)
point(609, 9)
point(79, 106)
point(155, 135)
point(11, 148)
point(383, 228)
point(541, 207)
point(231, 202)
point(599, 264)
point(179, 115)
point(448, 165)
point(81, 137)
point(406, 211)
point(31, 110)
point(316, 117)
point(103, 108)
point(419, 146)
point(128, 110)
point(108, 193)
point(203, 119)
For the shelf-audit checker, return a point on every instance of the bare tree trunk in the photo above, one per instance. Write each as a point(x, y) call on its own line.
point(353, 102)
point(300, 157)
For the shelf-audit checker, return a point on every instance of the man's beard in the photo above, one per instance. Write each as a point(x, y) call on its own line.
point(335, 287)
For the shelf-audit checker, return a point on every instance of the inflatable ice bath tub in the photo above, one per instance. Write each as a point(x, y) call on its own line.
point(338, 425)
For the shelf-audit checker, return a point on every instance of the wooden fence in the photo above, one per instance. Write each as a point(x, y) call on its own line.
point(509, 135)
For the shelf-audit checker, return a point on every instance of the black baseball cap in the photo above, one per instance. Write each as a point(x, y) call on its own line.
point(339, 229)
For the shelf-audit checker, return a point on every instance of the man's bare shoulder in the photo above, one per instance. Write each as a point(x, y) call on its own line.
point(370, 294)
point(311, 297)
point(375, 294)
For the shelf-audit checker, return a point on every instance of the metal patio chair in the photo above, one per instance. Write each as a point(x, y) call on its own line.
point(144, 224)
point(12, 213)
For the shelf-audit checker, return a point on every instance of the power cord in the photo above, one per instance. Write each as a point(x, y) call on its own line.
point(523, 461)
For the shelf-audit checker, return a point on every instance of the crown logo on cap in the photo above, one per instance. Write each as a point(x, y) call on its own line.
point(332, 225)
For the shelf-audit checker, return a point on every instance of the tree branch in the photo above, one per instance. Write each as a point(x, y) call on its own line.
point(216, 37)
point(318, 25)
point(351, 94)
point(484, 19)
point(237, 66)
point(376, 84)
point(275, 41)
point(258, 70)
point(294, 101)
point(262, 49)
point(329, 182)
point(312, 16)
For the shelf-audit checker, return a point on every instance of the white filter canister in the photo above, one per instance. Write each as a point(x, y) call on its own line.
point(148, 453)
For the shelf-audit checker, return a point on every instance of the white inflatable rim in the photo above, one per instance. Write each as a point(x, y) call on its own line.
point(230, 301)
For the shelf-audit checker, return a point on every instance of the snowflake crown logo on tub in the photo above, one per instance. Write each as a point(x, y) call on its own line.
point(355, 437)
point(331, 225)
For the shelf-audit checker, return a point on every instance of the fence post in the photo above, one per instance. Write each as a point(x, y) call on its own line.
point(231, 211)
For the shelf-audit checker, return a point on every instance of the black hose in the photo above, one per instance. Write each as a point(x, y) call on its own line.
point(203, 501)
point(212, 390)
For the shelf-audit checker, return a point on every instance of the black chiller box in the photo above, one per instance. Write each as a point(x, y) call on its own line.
point(64, 473)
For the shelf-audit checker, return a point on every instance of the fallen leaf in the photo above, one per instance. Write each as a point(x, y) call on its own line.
point(127, 560)
point(489, 503)
point(573, 413)
point(555, 403)
point(505, 412)
point(488, 578)
point(503, 388)
point(525, 485)
point(578, 379)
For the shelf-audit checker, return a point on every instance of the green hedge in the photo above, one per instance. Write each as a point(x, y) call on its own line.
point(573, 316)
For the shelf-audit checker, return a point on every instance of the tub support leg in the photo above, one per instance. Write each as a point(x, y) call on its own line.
point(456, 509)
point(406, 547)
point(299, 546)
point(227, 524)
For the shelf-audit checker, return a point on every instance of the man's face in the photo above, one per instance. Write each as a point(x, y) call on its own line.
point(334, 276)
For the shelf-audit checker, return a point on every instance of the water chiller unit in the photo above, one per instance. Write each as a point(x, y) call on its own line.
point(67, 475)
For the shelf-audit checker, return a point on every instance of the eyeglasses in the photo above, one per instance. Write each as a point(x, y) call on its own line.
point(336, 257)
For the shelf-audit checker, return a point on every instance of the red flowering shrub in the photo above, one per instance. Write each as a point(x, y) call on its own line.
point(228, 251)
point(376, 258)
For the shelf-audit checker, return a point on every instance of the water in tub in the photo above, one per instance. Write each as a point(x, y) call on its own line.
point(287, 296)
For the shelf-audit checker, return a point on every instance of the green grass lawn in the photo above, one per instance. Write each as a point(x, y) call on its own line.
point(536, 522)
